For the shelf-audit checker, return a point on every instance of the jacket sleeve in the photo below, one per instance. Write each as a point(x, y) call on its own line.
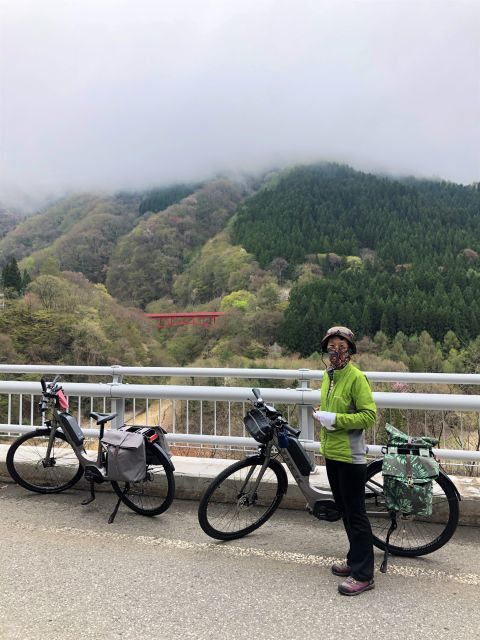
point(366, 410)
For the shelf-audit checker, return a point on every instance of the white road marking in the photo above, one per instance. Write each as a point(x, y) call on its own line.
point(250, 552)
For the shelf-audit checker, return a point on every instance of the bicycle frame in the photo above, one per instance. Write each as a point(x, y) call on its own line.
point(54, 425)
point(314, 496)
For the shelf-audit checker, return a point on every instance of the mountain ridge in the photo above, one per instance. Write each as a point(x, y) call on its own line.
point(405, 254)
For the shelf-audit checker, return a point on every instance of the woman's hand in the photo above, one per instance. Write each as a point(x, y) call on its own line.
point(326, 419)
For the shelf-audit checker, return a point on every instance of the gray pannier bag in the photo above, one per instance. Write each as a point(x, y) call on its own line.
point(155, 435)
point(126, 456)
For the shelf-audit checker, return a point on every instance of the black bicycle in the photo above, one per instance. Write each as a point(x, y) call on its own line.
point(53, 458)
point(247, 493)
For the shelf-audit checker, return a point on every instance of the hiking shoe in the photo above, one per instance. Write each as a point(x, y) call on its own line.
point(342, 570)
point(352, 587)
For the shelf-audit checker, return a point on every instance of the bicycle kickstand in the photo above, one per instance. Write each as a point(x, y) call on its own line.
point(92, 495)
point(393, 526)
point(114, 512)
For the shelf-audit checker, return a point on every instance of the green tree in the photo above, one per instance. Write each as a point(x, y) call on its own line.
point(240, 300)
point(428, 356)
point(185, 348)
point(450, 341)
point(26, 279)
point(12, 278)
point(53, 293)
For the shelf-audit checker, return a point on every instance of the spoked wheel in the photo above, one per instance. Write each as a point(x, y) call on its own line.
point(155, 494)
point(234, 504)
point(28, 464)
point(415, 535)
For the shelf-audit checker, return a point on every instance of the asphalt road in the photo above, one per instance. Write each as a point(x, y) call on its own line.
point(67, 574)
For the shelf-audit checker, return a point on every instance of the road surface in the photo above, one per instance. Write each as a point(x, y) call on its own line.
point(67, 574)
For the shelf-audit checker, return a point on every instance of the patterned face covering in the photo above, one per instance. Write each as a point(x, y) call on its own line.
point(339, 356)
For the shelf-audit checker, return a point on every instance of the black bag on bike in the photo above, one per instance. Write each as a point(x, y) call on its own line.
point(126, 456)
point(258, 425)
point(299, 456)
point(71, 427)
point(155, 435)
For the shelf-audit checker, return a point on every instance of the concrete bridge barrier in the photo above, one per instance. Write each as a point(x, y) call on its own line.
point(193, 475)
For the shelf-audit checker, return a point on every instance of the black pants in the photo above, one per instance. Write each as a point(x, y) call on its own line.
point(347, 482)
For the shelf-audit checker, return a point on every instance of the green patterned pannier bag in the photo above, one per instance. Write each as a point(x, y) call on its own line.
point(409, 469)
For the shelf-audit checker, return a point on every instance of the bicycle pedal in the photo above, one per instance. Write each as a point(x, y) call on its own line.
point(326, 510)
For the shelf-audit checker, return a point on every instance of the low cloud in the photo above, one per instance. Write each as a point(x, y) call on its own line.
point(123, 94)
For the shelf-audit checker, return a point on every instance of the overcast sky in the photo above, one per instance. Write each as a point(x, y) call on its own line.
point(134, 93)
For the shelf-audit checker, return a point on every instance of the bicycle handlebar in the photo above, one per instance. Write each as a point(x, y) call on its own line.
point(273, 415)
point(49, 391)
point(292, 430)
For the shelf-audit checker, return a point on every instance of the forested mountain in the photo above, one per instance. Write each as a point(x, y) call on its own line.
point(334, 209)
point(80, 231)
point(145, 262)
point(77, 232)
point(286, 256)
point(379, 254)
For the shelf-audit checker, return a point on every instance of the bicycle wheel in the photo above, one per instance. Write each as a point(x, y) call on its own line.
point(233, 505)
point(155, 494)
point(29, 467)
point(415, 535)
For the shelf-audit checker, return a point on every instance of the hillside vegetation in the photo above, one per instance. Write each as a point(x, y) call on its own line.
point(65, 319)
point(145, 262)
point(334, 209)
point(8, 220)
point(286, 256)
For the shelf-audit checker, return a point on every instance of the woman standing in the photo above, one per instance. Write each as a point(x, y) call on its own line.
point(347, 409)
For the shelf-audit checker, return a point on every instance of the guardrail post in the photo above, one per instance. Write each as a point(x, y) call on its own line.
point(118, 404)
point(306, 423)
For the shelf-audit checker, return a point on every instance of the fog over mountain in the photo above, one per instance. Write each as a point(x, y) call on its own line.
point(122, 95)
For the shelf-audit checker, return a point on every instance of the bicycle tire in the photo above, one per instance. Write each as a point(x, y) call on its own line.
point(27, 465)
point(226, 512)
point(154, 495)
point(415, 535)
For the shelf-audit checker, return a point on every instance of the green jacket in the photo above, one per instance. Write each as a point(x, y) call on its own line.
point(351, 399)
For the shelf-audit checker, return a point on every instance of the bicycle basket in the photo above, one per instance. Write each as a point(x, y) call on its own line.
point(258, 426)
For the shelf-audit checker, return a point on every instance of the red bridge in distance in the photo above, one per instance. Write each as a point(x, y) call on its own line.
point(196, 318)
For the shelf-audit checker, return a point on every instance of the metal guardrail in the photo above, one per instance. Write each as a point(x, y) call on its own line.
point(304, 397)
point(118, 372)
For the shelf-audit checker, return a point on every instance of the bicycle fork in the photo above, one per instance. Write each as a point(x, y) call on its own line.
point(49, 459)
point(247, 498)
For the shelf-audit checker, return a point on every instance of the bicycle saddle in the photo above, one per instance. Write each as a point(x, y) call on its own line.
point(102, 418)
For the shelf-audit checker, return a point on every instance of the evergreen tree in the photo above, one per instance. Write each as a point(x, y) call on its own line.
point(12, 278)
point(26, 279)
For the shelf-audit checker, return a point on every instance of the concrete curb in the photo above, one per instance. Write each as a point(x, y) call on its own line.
point(193, 475)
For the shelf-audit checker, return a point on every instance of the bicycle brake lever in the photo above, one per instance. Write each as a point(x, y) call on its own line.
point(43, 406)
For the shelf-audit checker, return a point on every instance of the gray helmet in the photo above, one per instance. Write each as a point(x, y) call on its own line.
point(340, 332)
